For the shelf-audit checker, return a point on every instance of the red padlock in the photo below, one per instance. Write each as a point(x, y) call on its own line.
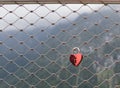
point(76, 58)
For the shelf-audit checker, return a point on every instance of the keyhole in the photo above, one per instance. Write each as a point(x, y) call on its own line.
point(74, 60)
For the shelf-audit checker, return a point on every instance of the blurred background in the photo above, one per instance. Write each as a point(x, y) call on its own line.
point(36, 41)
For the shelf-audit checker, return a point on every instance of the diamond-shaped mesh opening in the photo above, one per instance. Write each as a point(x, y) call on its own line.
point(36, 41)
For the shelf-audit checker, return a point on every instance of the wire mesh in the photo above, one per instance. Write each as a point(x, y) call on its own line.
point(60, 1)
point(36, 41)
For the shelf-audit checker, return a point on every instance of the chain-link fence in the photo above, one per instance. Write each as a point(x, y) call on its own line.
point(36, 41)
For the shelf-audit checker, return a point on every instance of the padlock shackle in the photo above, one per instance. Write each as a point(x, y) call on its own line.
point(76, 48)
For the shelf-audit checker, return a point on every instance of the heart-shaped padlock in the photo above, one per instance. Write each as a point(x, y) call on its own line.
point(76, 58)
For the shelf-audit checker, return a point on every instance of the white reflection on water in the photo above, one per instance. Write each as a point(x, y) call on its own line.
point(87, 49)
point(108, 61)
point(109, 37)
point(118, 57)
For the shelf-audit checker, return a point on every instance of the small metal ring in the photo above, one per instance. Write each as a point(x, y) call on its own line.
point(76, 48)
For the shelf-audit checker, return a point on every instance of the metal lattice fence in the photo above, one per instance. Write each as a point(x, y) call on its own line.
point(36, 41)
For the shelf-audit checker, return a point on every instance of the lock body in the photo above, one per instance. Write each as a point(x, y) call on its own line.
point(76, 58)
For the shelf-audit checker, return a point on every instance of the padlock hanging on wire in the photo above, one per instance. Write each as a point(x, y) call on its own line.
point(76, 58)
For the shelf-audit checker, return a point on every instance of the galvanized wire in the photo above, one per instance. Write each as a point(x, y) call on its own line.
point(36, 41)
